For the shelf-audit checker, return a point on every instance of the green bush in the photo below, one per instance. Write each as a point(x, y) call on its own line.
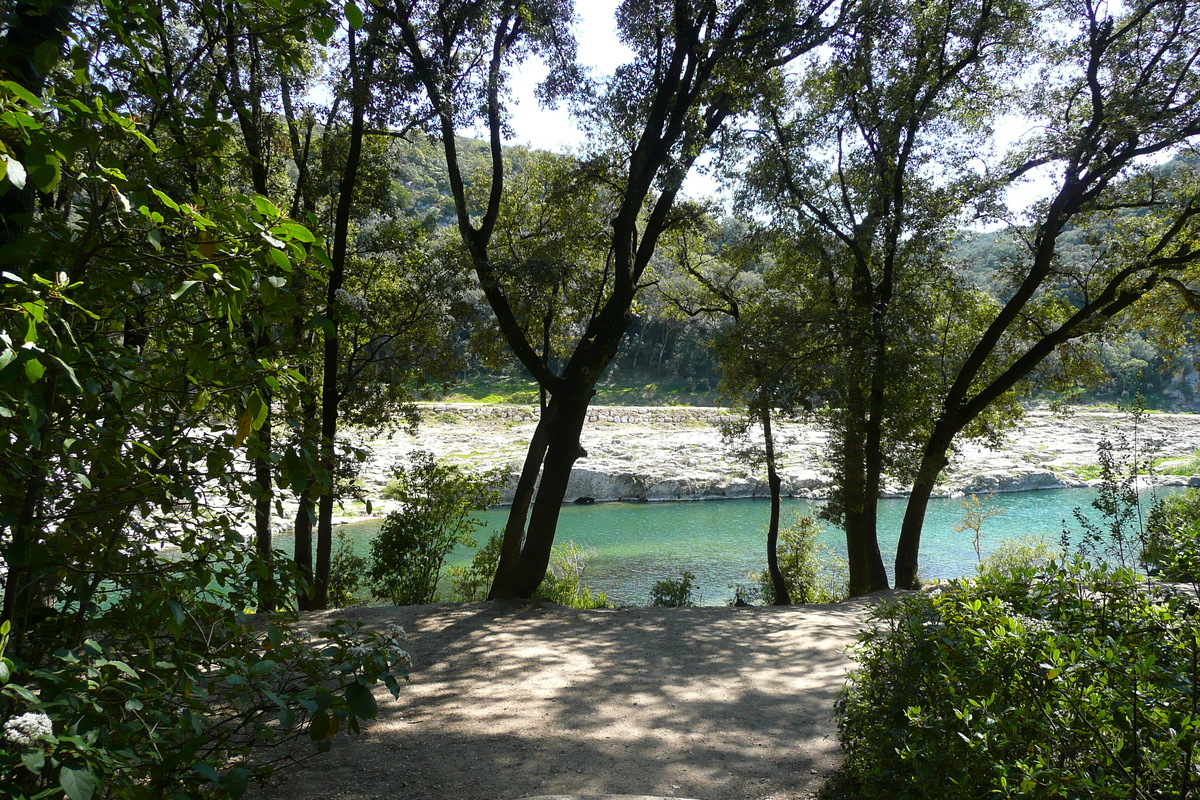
point(436, 501)
point(1173, 537)
point(1077, 682)
point(472, 583)
point(813, 574)
point(563, 583)
point(674, 592)
point(346, 570)
point(175, 693)
point(1015, 557)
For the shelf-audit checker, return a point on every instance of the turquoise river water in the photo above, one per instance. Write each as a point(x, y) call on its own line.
point(723, 541)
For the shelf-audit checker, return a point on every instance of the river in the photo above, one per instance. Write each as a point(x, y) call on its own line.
point(722, 542)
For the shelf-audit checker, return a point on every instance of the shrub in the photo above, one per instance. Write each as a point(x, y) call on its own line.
point(747, 594)
point(813, 573)
point(346, 571)
point(675, 592)
point(1015, 557)
point(1173, 537)
point(408, 553)
point(1073, 683)
point(472, 583)
point(563, 583)
point(175, 693)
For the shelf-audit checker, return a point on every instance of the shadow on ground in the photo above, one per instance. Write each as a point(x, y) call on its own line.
point(512, 700)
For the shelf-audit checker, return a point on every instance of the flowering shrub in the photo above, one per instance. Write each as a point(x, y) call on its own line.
point(1072, 682)
point(196, 700)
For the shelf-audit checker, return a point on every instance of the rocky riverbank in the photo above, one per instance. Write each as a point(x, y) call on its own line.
point(677, 453)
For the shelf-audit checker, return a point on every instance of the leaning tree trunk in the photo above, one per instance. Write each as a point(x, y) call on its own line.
point(933, 461)
point(518, 513)
point(564, 420)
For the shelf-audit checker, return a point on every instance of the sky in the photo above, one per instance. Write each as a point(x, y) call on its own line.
point(599, 49)
point(603, 52)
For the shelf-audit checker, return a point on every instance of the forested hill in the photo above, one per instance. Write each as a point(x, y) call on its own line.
point(669, 354)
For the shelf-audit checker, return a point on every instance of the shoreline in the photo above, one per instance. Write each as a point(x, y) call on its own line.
point(676, 453)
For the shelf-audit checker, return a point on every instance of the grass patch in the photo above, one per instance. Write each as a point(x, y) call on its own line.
point(498, 389)
point(1185, 466)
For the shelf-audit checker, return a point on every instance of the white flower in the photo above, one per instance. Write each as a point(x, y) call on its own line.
point(28, 728)
point(400, 657)
point(358, 651)
point(353, 301)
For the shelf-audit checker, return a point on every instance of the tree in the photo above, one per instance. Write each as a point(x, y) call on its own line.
point(864, 168)
point(1121, 89)
point(434, 517)
point(766, 352)
point(696, 65)
point(125, 399)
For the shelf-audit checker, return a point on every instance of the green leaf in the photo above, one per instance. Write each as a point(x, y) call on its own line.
point(167, 201)
point(128, 670)
point(34, 370)
point(361, 701)
point(36, 310)
point(43, 166)
point(5, 671)
point(183, 289)
point(34, 761)
point(281, 260)
point(15, 172)
point(318, 729)
point(207, 771)
point(354, 16)
point(148, 450)
point(295, 230)
point(154, 237)
point(67, 368)
point(20, 91)
point(236, 781)
point(77, 783)
point(265, 206)
point(323, 28)
point(259, 409)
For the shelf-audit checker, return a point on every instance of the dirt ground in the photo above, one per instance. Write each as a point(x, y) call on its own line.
point(513, 700)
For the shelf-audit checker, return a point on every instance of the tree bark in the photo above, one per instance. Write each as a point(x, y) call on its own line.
point(566, 415)
point(518, 513)
point(933, 461)
point(331, 393)
point(778, 584)
point(303, 554)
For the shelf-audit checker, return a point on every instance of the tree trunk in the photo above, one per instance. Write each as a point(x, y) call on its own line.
point(860, 496)
point(933, 461)
point(267, 591)
point(778, 584)
point(305, 515)
point(518, 513)
point(564, 420)
point(331, 394)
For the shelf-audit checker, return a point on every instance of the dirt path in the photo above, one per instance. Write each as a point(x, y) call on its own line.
point(512, 700)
